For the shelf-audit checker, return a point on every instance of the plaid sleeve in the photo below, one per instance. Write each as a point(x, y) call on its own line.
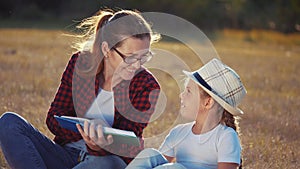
point(63, 105)
point(144, 93)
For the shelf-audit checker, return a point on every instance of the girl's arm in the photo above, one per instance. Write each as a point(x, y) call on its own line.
point(227, 166)
point(170, 159)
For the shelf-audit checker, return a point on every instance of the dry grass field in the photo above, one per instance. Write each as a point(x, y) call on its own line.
point(32, 61)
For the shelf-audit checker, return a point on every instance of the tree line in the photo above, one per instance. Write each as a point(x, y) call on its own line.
point(279, 15)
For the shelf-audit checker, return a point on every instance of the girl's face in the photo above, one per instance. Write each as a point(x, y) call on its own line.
point(135, 50)
point(190, 100)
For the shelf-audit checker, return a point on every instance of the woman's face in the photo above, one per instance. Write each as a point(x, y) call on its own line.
point(133, 49)
point(190, 100)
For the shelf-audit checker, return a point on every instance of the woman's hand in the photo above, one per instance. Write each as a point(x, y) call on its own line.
point(93, 136)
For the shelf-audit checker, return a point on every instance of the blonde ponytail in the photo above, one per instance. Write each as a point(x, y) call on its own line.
point(229, 120)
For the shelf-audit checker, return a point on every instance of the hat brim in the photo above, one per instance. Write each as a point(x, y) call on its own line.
point(233, 110)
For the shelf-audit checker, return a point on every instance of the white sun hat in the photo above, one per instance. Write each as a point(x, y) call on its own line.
point(222, 83)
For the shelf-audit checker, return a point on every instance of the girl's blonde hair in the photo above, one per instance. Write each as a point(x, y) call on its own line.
point(108, 26)
point(230, 121)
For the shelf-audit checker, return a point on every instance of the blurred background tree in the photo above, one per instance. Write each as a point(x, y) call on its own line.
point(278, 15)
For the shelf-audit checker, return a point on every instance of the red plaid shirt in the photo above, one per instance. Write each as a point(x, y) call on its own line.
point(134, 104)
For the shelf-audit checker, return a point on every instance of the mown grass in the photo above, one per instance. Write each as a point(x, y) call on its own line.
point(32, 61)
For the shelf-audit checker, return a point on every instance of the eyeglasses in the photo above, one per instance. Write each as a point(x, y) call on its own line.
point(133, 58)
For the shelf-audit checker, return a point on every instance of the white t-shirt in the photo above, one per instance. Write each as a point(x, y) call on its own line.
point(203, 151)
point(103, 107)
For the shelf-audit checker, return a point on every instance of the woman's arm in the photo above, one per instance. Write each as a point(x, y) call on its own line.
point(63, 102)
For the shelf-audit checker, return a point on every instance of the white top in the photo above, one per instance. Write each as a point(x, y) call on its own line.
point(203, 151)
point(102, 109)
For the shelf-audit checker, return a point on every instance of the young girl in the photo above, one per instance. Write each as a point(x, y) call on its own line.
point(211, 97)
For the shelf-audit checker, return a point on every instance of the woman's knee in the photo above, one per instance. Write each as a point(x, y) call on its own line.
point(170, 166)
point(148, 152)
point(10, 121)
point(148, 158)
point(117, 162)
point(108, 162)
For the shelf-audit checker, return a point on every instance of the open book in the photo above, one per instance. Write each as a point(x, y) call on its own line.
point(119, 136)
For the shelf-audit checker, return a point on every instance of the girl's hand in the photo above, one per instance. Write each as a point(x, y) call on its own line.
point(93, 136)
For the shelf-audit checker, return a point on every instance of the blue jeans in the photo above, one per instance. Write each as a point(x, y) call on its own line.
point(25, 147)
point(101, 162)
point(151, 158)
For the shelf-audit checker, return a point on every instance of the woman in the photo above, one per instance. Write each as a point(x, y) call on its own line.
point(211, 96)
point(104, 81)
